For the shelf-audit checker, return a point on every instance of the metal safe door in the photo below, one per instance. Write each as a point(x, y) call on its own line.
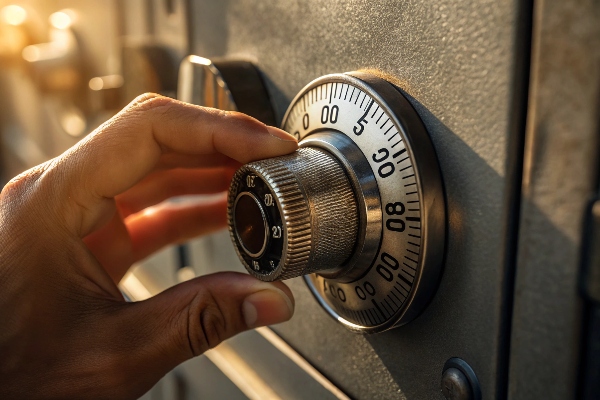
point(462, 64)
point(466, 67)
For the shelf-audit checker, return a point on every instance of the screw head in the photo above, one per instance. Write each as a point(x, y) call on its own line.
point(455, 385)
point(459, 381)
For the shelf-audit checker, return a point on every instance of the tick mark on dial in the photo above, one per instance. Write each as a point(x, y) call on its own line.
point(370, 317)
point(413, 268)
point(389, 307)
point(384, 124)
point(397, 298)
point(399, 153)
point(378, 308)
point(406, 281)
point(393, 136)
point(410, 259)
point(400, 292)
point(397, 143)
point(375, 112)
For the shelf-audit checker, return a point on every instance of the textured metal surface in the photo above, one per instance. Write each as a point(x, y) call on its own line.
point(459, 62)
point(332, 204)
point(560, 170)
point(318, 209)
point(591, 254)
point(368, 200)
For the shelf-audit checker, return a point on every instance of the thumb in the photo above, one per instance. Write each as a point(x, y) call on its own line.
point(194, 316)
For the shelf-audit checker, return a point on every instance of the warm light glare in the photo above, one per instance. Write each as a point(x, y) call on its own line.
point(61, 20)
point(73, 123)
point(106, 82)
point(185, 274)
point(199, 60)
point(60, 45)
point(31, 53)
point(96, 83)
point(13, 15)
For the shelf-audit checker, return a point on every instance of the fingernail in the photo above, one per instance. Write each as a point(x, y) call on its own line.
point(280, 134)
point(267, 307)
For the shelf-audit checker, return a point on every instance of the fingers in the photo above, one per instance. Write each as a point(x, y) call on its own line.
point(195, 316)
point(165, 184)
point(119, 244)
point(176, 160)
point(129, 146)
point(171, 223)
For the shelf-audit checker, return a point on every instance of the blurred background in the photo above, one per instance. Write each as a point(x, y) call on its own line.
point(67, 66)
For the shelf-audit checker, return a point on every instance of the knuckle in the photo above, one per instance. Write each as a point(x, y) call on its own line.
point(150, 101)
point(21, 187)
point(20, 184)
point(144, 98)
point(244, 119)
point(223, 113)
point(207, 325)
point(212, 325)
point(15, 187)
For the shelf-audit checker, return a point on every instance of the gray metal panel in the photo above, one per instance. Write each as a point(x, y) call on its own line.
point(458, 61)
point(201, 379)
point(560, 171)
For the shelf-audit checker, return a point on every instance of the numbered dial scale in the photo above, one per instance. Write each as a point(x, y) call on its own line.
point(365, 219)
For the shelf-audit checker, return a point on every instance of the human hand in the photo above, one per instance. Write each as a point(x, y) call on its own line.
point(70, 228)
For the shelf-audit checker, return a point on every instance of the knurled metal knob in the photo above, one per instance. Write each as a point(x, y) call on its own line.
point(293, 215)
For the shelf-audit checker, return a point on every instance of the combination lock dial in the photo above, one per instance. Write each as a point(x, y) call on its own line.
point(294, 215)
point(358, 210)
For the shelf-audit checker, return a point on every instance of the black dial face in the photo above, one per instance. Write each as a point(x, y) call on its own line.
point(250, 224)
point(400, 279)
point(257, 225)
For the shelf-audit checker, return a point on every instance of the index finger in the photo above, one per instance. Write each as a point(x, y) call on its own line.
point(126, 148)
